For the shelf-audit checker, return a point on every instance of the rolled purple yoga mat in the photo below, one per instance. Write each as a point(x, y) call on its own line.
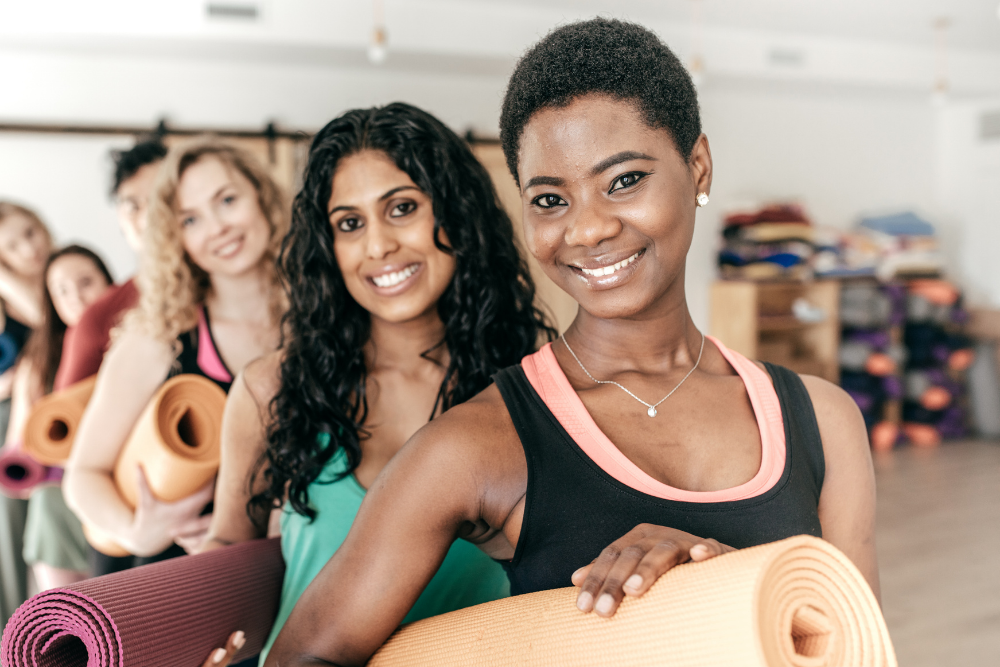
point(19, 473)
point(172, 613)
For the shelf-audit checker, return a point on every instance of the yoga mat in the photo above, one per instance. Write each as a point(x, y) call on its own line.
point(20, 473)
point(798, 602)
point(51, 426)
point(176, 441)
point(168, 614)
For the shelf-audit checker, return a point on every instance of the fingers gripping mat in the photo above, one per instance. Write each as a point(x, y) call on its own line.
point(173, 613)
point(795, 603)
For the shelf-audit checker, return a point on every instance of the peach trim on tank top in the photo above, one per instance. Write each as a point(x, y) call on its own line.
point(209, 360)
point(547, 378)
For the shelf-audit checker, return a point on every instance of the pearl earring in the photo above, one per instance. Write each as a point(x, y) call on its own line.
point(702, 199)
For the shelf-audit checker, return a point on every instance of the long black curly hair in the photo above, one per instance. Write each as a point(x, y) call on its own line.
point(490, 320)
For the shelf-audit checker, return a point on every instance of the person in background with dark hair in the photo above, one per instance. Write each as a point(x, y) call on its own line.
point(632, 444)
point(406, 294)
point(134, 173)
point(54, 544)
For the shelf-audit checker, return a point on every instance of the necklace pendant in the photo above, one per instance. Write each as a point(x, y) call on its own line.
point(651, 412)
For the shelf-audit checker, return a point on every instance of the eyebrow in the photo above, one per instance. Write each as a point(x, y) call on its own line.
point(599, 168)
point(387, 195)
point(618, 158)
point(213, 197)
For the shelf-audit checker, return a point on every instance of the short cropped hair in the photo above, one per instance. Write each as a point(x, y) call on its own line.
point(604, 56)
point(128, 163)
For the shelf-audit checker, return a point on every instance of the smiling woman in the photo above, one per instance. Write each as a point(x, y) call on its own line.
point(555, 470)
point(210, 303)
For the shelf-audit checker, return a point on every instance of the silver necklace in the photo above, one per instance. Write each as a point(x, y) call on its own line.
point(652, 407)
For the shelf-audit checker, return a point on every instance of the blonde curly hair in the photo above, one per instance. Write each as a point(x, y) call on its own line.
point(172, 287)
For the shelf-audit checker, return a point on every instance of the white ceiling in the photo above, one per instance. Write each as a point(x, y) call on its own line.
point(974, 24)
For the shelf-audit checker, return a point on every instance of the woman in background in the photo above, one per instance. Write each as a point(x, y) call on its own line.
point(25, 244)
point(406, 293)
point(210, 302)
point(54, 544)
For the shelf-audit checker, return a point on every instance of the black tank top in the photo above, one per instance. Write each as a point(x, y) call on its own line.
point(187, 360)
point(573, 509)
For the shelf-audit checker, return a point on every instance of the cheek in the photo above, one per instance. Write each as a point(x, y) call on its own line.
point(349, 257)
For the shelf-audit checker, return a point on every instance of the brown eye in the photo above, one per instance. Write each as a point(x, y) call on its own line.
point(403, 208)
point(626, 181)
point(548, 201)
point(349, 225)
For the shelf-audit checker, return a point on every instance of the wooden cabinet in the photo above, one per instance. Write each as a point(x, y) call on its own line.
point(757, 319)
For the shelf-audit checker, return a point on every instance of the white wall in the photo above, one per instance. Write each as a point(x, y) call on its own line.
point(839, 151)
point(65, 180)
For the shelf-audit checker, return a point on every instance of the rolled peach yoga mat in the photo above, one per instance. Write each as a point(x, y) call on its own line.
point(51, 426)
point(176, 441)
point(795, 603)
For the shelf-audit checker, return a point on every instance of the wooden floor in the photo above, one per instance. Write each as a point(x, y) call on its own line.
point(939, 552)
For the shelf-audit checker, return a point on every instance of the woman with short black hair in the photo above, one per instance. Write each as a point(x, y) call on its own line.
point(633, 443)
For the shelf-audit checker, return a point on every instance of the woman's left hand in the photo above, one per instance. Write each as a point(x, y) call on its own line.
point(633, 563)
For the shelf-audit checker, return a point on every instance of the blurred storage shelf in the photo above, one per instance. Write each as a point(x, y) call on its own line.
point(756, 319)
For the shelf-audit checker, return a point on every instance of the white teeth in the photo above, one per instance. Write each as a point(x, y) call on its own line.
point(396, 277)
point(229, 248)
point(608, 270)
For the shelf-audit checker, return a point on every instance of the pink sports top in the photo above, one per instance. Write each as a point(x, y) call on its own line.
point(546, 377)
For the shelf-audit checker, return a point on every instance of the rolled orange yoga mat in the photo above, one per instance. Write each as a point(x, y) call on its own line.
point(51, 426)
point(795, 603)
point(176, 441)
point(168, 614)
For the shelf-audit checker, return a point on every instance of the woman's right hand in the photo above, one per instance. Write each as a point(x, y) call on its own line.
point(221, 657)
point(155, 523)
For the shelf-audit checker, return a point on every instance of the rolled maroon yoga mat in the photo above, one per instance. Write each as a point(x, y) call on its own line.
point(172, 613)
point(19, 473)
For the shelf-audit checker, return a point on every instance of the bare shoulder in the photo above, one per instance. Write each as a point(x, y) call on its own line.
point(262, 377)
point(841, 426)
point(832, 404)
point(475, 428)
point(475, 441)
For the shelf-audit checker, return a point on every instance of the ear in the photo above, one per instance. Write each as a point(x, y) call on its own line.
point(700, 165)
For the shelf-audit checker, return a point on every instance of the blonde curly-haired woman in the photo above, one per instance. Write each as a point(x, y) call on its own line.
point(210, 303)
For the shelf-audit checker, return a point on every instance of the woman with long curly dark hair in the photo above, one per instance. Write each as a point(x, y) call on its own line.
point(406, 294)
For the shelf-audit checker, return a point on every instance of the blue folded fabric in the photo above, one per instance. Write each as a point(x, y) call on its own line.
point(900, 224)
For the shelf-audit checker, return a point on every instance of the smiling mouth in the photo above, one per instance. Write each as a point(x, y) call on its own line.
point(229, 248)
point(611, 268)
point(394, 278)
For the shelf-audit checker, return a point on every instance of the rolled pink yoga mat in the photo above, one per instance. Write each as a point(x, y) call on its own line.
point(172, 613)
point(19, 473)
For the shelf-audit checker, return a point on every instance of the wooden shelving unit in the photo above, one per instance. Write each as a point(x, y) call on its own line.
point(756, 320)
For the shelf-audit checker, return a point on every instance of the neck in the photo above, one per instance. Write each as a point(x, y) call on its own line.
point(246, 297)
point(399, 345)
point(656, 340)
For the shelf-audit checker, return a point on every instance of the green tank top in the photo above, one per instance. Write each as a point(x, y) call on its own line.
point(467, 576)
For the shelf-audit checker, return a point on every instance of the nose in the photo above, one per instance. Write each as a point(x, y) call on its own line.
point(381, 240)
point(591, 225)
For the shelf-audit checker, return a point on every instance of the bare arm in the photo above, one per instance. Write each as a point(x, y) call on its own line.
point(847, 502)
point(433, 491)
point(25, 390)
point(133, 369)
point(244, 440)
